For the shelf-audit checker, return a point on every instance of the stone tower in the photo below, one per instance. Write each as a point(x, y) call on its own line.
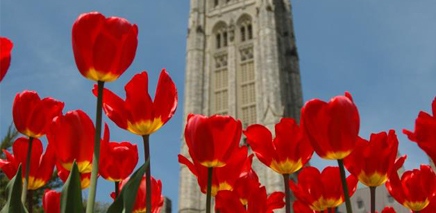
point(241, 60)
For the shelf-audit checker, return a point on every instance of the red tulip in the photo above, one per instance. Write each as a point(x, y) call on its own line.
point(156, 196)
point(41, 165)
point(85, 178)
point(321, 191)
point(300, 207)
point(5, 56)
point(103, 47)
point(51, 201)
point(415, 189)
point(138, 113)
point(371, 162)
point(332, 127)
point(224, 178)
point(425, 132)
point(72, 135)
point(246, 184)
point(212, 140)
point(117, 160)
point(258, 202)
point(33, 116)
point(431, 208)
point(289, 150)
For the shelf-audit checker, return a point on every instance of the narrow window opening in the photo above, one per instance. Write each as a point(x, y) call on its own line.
point(218, 41)
point(225, 39)
point(250, 31)
point(216, 3)
point(242, 33)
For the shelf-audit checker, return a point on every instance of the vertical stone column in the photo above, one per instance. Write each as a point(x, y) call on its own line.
point(189, 194)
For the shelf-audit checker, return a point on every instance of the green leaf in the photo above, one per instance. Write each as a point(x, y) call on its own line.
point(14, 188)
point(71, 197)
point(126, 199)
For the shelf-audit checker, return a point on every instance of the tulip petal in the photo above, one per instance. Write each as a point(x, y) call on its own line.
point(43, 114)
point(114, 107)
point(275, 201)
point(165, 100)
point(5, 56)
point(260, 140)
point(85, 31)
point(22, 109)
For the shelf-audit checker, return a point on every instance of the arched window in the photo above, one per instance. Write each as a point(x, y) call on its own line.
point(245, 28)
point(221, 35)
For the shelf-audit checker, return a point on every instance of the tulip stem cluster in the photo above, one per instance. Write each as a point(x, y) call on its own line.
point(345, 186)
point(372, 191)
point(287, 192)
point(27, 171)
point(209, 189)
point(146, 139)
point(96, 156)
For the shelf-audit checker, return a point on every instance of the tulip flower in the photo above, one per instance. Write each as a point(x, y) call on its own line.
point(85, 178)
point(415, 189)
point(258, 202)
point(332, 127)
point(51, 201)
point(5, 56)
point(286, 154)
point(372, 161)
point(72, 136)
point(425, 132)
point(223, 178)
point(289, 150)
point(117, 160)
point(321, 191)
point(33, 116)
point(138, 113)
point(41, 165)
point(157, 199)
point(103, 47)
point(212, 140)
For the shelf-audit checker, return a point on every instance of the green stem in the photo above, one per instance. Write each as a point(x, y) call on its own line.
point(209, 189)
point(146, 139)
point(287, 192)
point(96, 156)
point(27, 171)
point(372, 191)
point(345, 186)
point(30, 201)
point(117, 188)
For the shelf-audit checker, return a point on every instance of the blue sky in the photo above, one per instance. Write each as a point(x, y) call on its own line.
point(383, 52)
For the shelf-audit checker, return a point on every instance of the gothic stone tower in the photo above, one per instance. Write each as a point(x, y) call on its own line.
point(241, 61)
